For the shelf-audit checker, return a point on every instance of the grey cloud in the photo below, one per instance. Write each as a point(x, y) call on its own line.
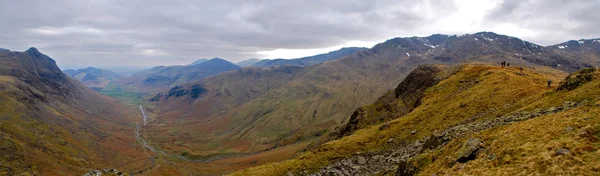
point(553, 20)
point(156, 32)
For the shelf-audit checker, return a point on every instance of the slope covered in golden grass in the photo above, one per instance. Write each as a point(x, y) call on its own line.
point(53, 125)
point(521, 122)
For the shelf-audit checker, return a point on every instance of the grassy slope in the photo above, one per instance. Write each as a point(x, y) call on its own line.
point(495, 91)
point(57, 138)
point(529, 147)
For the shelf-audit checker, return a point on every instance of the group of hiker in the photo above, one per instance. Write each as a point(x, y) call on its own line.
point(506, 64)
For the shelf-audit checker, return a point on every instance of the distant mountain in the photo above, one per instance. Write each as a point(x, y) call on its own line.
point(310, 60)
point(199, 61)
point(162, 78)
point(93, 77)
point(312, 100)
point(247, 62)
point(51, 124)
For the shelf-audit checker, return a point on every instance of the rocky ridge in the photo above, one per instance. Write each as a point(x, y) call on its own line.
point(394, 159)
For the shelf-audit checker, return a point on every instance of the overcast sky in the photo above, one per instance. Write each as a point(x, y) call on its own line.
point(145, 33)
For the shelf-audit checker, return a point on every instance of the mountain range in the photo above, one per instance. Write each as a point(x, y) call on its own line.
point(291, 105)
point(310, 60)
point(93, 77)
point(164, 77)
point(247, 62)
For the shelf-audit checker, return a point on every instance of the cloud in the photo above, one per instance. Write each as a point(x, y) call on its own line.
point(155, 32)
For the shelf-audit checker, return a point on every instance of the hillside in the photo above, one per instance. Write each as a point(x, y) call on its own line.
point(162, 78)
point(310, 60)
point(54, 125)
point(92, 77)
point(474, 122)
point(319, 98)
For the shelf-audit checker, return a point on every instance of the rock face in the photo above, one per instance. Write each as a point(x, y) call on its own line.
point(576, 79)
point(469, 150)
point(408, 94)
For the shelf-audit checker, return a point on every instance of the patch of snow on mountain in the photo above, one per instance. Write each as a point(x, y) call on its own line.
point(407, 54)
point(430, 46)
point(561, 47)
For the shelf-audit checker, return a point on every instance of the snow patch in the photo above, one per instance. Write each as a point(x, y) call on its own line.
point(581, 42)
point(558, 65)
point(596, 41)
point(431, 46)
point(561, 47)
point(407, 54)
point(476, 39)
point(488, 39)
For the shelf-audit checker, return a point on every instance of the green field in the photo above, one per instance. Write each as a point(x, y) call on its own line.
point(130, 98)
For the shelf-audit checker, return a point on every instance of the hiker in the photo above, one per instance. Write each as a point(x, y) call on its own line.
point(507, 64)
point(502, 63)
point(549, 83)
point(521, 69)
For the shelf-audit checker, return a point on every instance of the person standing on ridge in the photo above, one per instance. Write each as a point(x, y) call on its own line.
point(507, 64)
point(549, 83)
point(521, 69)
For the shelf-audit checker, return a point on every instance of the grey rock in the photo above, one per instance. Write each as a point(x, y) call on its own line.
point(413, 132)
point(361, 160)
point(406, 169)
point(390, 140)
point(562, 151)
point(568, 129)
point(552, 109)
point(290, 174)
point(469, 150)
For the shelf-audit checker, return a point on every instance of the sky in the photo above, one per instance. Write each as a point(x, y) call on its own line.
point(146, 33)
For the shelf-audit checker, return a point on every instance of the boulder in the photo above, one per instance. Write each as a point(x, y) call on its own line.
point(469, 150)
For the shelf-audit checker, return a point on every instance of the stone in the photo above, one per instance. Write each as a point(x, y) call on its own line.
point(406, 169)
point(568, 129)
point(433, 142)
point(384, 126)
point(552, 109)
point(562, 151)
point(390, 140)
point(413, 132)
point(361, 160)
point(492, 156)
point(469, 150)
point(290, 174)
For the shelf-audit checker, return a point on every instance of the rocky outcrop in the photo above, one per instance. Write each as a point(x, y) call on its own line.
point(401, 101)
point(469, 150)
point(576, 79)
point(396, 159)
point(104, 172)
